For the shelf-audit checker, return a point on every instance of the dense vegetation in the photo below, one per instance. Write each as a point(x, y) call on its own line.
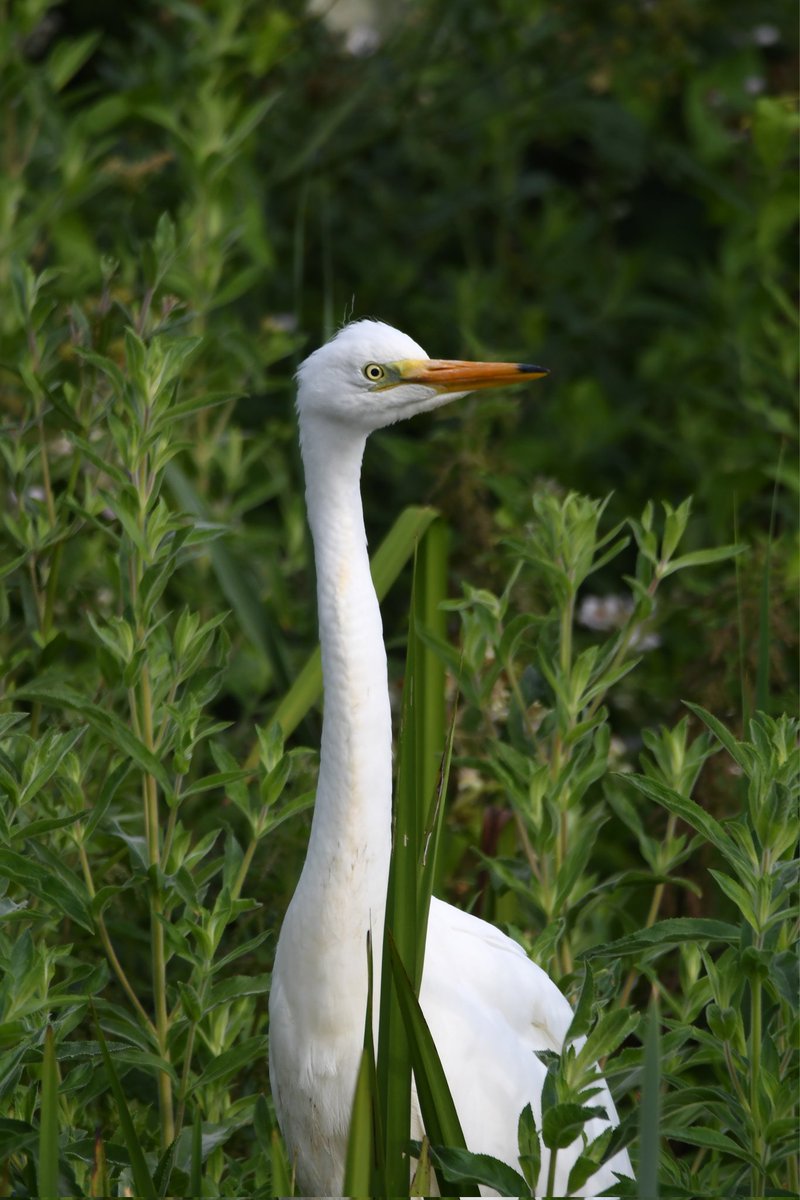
point(191, 197)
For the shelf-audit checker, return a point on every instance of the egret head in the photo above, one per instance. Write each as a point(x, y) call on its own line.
point(370, 375)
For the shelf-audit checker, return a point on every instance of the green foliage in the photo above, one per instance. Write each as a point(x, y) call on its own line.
point(189, 195)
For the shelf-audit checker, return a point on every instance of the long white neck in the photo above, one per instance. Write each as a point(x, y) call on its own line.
point(342, 889)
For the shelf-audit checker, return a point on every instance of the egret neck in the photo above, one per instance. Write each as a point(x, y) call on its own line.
point(342, 890)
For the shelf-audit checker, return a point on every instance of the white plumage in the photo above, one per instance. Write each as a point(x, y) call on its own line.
point(488, 1006)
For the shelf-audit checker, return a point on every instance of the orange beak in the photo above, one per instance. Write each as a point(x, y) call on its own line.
point(452, 375)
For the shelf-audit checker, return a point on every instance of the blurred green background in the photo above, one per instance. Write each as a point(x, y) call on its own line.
point(604, 187)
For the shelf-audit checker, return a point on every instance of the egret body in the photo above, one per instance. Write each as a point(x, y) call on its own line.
point(488, 1006)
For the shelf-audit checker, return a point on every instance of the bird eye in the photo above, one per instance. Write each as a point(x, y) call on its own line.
point(374, 372)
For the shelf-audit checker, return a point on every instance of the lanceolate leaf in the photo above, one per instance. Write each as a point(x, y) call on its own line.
point(738, 752)
point(106, 722)
point(609, 1033)
point(581, 1021)
point(66, 898)
point(694, 815)
point(666, 934)
point(700, 558)
point(563, 1123)
point(530, 1148)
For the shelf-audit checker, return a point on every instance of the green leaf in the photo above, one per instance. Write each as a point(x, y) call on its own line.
point(588, 1162)
point(739, 752)
point(608, 1034)
point(55, 751)
point(88, 450)
point(740, 897)
point(464, 1170)
point(691, 812)
point(675, 522)
point(581, 1020)
point(226, 1065)
point(530, 1149)
point(34, 829)
point(109, 724)
point(107, 793)
point(234, 988)
point(701, 558)
point(710, 1139)
point(244, 948)
point(66, 898)
point(9, 720)
point(563, 1123)
point(68, 57)
point(665, 934)
point(219, 780)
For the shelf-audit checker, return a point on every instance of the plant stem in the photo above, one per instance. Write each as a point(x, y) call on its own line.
point(527, 846)
point(655, 905)
point(551, 1173)
point(244, 867)
point(156, 911)
point(111, 953)
point(183, 1090)
point(755, 1084)
point(734, 1076)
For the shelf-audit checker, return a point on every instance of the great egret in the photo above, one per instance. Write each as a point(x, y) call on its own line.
point(488, 1006)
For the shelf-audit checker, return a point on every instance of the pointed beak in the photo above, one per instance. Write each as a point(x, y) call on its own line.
point(452, 375)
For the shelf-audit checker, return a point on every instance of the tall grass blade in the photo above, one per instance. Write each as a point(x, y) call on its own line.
point(431, 837)
point(394, 1053)
point(429, 715)
point(145, 1188)
point(48, 1121)
point(282, 1177)
point(650, 1109)
point(359, 1163)
point(364, 1165)
point(419, 754)
point(437, 1107)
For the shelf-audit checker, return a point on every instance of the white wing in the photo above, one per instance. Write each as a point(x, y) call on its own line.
point(489, 1009)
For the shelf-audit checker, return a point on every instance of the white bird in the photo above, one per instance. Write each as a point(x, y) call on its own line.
point(488, 1006)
